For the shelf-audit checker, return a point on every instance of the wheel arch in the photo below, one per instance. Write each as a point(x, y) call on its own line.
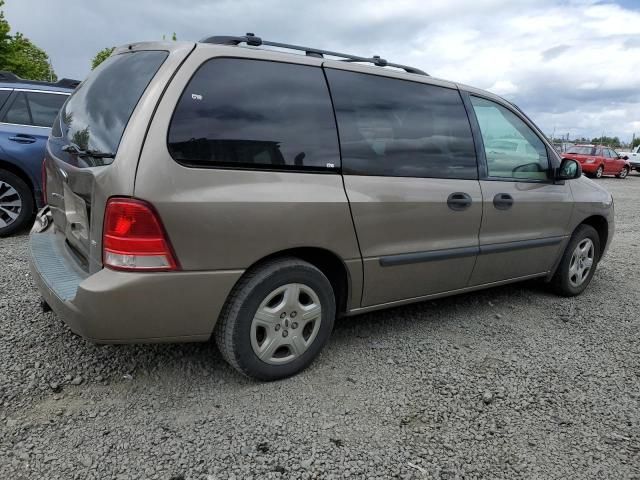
point(328, 262)
point(23, 175)
point(601, 225)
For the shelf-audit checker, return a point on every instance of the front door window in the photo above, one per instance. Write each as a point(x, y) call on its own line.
point(513, 150)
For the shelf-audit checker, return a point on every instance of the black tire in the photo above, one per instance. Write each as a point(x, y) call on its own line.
point(599, 172)
point(560, 283)
point(623, 173)
point(233, 330)
point(9, 226)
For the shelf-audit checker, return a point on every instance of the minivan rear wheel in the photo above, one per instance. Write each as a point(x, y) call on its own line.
point(578, 264)
point(277, 319)
point(600, 172)
point(16, 203)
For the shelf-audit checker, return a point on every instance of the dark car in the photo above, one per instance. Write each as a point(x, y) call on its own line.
point(27, 111)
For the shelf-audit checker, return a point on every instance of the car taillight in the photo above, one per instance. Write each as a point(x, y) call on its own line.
point(44, 181)
point(134, 238)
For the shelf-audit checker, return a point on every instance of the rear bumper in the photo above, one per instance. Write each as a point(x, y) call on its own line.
point(124, 307)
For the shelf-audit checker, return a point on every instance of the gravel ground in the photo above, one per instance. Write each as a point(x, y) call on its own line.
point(511, 382)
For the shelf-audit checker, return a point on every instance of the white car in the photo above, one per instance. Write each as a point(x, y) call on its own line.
point(634, 158)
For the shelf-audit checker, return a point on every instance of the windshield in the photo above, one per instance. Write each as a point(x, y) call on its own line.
point(582, 150)
point(95, 116)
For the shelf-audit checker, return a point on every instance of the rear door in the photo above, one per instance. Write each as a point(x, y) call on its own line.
point(410, 174)
point(526, 215)
point(606, 159)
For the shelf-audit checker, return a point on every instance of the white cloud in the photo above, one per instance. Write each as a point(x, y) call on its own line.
point(504, 88)
point(568, 64)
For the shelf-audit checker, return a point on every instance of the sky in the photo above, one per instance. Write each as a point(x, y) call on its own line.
point(572, 65)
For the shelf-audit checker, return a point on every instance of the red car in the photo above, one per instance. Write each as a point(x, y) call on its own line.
point(598, 160)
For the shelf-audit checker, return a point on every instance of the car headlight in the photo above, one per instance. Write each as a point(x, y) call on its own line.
point(591, 160)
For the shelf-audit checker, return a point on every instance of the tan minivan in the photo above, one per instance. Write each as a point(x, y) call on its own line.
point(224, 188)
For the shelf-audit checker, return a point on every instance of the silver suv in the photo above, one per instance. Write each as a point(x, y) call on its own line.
point(225, 189)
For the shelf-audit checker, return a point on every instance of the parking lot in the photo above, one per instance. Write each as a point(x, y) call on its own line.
point(506, 383)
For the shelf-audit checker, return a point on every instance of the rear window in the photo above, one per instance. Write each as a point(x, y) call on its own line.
point(97, 113)
point(250, 114)
point(582, 150)
point(44, 107)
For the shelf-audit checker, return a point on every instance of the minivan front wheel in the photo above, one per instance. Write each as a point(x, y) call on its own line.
point(578, 263)
point(623, 173)
point(277, 319)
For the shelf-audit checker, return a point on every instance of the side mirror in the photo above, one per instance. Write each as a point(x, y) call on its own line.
point(569, 169)
point(626, 157)
point(530, 171)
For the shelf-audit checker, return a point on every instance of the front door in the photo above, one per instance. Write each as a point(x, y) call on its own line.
point(525, 214)
point(613, 162)
point(410, 174)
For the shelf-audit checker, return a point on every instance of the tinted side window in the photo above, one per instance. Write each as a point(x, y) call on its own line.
point(255, 114)
point(44, 107)
point(526, 157)
point(18, 111)
point(4, 95)
point(401, 128)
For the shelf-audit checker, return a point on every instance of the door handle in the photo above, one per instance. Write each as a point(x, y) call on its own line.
point(22, 138)
point(459, 201)
point(503, 201)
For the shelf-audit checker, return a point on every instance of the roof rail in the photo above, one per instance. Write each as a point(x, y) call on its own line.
point(10, 77)
point(252, 40)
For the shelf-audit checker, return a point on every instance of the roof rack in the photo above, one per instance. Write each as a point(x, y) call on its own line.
point(252, 40)
point(10, 77)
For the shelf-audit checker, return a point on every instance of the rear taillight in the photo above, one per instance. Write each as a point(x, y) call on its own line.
point(134, 238)
point(44, 181)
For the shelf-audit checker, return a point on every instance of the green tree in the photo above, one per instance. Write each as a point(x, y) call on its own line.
point(101, 56)
point(4, 36)
point(636, 142)
point(609, 141)
point(28, 60)
point(21, 56)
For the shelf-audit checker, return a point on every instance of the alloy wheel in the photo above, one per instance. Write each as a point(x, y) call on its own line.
point(10, 204)
point(581, 263)
point(286, 323)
